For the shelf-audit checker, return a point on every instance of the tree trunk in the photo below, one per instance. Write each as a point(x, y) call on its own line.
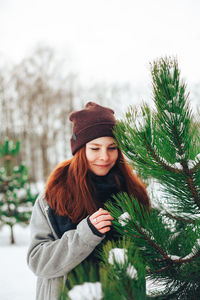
point(45, 161)
point(12, 239)
point(33, 154)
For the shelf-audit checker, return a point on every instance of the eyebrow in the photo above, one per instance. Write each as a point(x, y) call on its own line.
point(94, 144)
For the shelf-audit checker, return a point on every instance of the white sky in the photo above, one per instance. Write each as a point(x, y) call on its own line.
point(107, 40)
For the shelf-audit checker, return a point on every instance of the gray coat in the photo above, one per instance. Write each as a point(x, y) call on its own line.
point(51, 258)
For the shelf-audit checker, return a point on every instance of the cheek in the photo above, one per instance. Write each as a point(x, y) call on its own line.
point(115, 157)
point(90, 156)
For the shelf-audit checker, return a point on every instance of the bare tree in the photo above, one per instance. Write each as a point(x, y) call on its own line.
point(43, 98)
point(36, 97)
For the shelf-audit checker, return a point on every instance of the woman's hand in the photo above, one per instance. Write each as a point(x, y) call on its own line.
point(101, 220)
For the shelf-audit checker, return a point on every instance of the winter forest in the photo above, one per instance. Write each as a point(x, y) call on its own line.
point(36, 106)
point(141, 59)
point(157, 253)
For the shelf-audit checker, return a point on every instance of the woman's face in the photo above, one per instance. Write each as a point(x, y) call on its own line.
point(101, 155)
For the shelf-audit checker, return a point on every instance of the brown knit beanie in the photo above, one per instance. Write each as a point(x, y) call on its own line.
point(92, 122)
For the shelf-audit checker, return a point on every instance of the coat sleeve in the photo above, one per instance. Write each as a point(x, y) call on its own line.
point(49, 257)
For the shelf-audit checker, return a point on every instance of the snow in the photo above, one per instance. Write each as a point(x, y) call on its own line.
point(124, 218)
point(119, 255)
point(86, 291)
point(17, 280)
point(131, 272)
point(192, 163)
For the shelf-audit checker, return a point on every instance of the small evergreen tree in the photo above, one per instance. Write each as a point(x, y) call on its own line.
point(163, 245)
point(16, 199)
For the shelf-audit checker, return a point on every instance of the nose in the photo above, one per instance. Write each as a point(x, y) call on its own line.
point(105, 155)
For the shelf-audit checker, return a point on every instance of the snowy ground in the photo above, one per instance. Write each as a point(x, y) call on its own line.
point(17, 282)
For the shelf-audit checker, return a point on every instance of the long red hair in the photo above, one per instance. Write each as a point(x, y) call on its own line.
point(68, 192)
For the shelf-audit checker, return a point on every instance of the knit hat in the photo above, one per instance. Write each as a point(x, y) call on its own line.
point(92, 122)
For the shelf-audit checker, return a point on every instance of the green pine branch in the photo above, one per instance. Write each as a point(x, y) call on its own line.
point(162, 244)
point(164, 143)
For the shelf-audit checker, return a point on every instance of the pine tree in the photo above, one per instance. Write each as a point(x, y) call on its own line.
point(163, 244)
point(16, 199)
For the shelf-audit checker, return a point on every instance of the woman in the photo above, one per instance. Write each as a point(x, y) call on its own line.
point(69, 219)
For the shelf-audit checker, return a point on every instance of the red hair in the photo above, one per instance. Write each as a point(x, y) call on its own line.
point(67, 189)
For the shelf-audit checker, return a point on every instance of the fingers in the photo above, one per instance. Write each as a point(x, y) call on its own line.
point(104, 230)
point(99, 213)
point(99, 216)
point(101, 220)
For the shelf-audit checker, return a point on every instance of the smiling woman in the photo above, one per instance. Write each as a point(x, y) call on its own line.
point(69, 220)
point(101, 155)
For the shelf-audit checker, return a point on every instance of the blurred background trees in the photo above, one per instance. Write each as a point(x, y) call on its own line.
point(33, 111)
point(36, 97)
point(16, 197)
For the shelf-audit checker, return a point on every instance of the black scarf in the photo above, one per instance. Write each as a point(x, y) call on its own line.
point(104, 187)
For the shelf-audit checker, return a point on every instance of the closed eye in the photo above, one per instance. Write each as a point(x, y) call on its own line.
point(110, 148)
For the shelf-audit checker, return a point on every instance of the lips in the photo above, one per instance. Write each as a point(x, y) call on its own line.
point(102, 166)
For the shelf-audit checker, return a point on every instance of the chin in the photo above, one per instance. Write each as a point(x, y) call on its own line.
point(100, 172)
